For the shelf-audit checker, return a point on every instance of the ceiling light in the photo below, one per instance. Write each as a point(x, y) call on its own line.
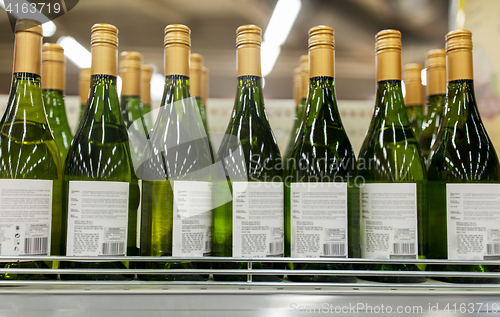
point(75, 52)
point(157, 86)
point(269, 55)
point(281, 21)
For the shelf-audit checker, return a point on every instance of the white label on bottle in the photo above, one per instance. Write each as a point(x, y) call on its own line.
point(257, 219)
point(473, 213)
point(25, 216)
point(192, 218)
point(318, 219)
point(97, 218)
point(389, 221)
point(139, 213)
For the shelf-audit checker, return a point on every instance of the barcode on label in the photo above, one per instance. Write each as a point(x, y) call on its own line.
point(207, 245)
point(404, 248)
point(113, 248)
point(36, 245)
point(493, 248)
point(333, 249)
point(276, 248)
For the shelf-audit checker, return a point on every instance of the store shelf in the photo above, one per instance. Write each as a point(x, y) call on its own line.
point(213, 298)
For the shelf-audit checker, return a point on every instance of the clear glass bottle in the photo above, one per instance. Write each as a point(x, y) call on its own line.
point(320, 173)
point(30, 165)
point(99, 178)
point(53, 88)
point(414, 99)
point(146, 75)
point(464, 175)
point(252, 164)
point(435, 62)
point(392, 168)
point(174, 174)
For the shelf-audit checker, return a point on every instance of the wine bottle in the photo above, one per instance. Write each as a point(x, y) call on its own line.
point(130, 72)
point(392, 197)
point(197, 85)
point(414, 99)
point(464, 179)
point(53, 87)
point(297, 85)
point(435, 62)
point(320, 174)
point(101, 192)
point(84, 87)
point(304, 89)
point(204, 96)
point(30, 166)
point(170, 225)
point(146, 74)
point(251, 160)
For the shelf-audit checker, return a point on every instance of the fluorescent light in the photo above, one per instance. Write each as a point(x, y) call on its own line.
point(48, 27)
point(75, 52)
point(157, 86)
point(269, 55)
point(403, 88)
point(281, 21)
point(423, 76)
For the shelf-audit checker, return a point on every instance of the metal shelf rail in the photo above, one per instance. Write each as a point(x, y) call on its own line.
point(55, 297)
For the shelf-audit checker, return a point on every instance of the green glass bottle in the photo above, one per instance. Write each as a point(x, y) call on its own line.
point(204, 97)
point(196, 85)
point(101, 194)
point(83, 89)
point(253, 173)
point(146, 74)
point(464, 175)
point(392, 198)
point(436, 96)
point(53, 87)
point(130, 72)
point(320, 175)
point(414, 99)
point(296, 97)
point(30, 167)
point(302, 90)
point(174, 175)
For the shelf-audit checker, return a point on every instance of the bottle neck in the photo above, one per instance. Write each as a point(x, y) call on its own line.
point(459, 65)
point(435, 103)
point(249, 96)
point(414, 94)
point(388, 64)
point(321, 103)
point(436, 81)
point(103, 100)
point(131, 82)
point(389, 104)
point(104, 59)
point(176, 88)
point(177, 57)
point(461, 103)
point(25, 99)
point(54, 75)
point(27, 53)
point(146, 93)
point(54, 105)
point(248, 61)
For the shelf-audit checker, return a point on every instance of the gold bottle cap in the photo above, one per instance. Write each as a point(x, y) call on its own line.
point(177, 34)
point(459, 55)
point(84, 79)
point(177, 49)
point(388, 55)
point(304, 75)
point(248, 34)
point(321, 51)
point(195, 75)
point(130, 71)
point(435, 61)
point(29, 25)
point(458, 40)
point(146, 74)
point(387, 40)
point(103, 33)
point(297, 83)
point(104, 42)
point(53, 67)
point(204, 85)
point(27, 48)
point(248, 40)
point(412, 77)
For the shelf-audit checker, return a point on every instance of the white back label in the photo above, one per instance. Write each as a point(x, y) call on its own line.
point(473, 213)
point(97, 218)
point(257, 219)
point(318, 216)
point(389, 221)
point(25, 216)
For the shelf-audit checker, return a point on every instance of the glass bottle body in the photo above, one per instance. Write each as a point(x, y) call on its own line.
point(435, 109)
point(415, 115)
point(56, 116)
point(463, 153)
point(131, 109)
point(297, 120)
point(390, 154)
point(322, 154)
